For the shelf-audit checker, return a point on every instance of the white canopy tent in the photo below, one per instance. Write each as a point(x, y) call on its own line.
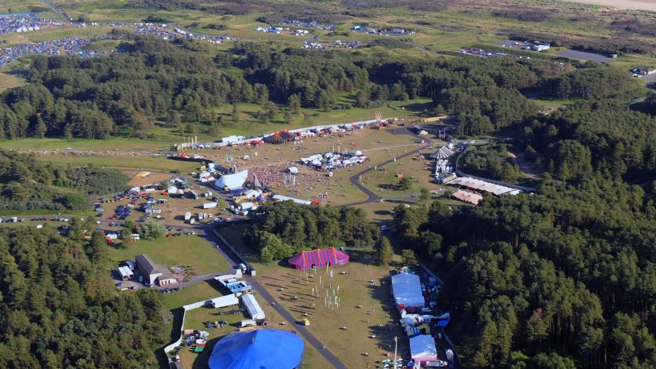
point(406, 289)
point(253, 308)
point(232, 181)
point(223, 301)
point(422, 348)
point(442, 153)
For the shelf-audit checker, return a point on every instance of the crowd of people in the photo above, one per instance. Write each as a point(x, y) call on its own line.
point(88, 153)
point(11, 23)
point(307, 182)
point(63, 46)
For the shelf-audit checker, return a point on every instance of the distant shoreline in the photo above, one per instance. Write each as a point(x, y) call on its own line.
point(649, 5)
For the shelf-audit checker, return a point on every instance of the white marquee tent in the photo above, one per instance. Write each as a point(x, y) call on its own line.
point(442, 153)
point(253, 308)
point(223, 301)
point(406, 289)
point(422, 348)
point(232, 181)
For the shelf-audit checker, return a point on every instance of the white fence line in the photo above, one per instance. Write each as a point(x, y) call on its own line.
point(185, 308)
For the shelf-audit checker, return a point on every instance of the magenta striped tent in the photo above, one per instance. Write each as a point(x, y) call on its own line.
point(320, 258)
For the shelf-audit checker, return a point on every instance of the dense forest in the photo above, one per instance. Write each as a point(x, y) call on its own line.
point(123, 94)
point(61, 310)
point(604, 136)
point(283, 229)
point(492, 162)
point(564, 276)
point(29, 184)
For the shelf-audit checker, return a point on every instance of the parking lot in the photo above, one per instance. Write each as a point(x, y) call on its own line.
point(582, 55)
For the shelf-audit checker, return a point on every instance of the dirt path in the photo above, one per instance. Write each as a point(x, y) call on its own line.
point(524, 166)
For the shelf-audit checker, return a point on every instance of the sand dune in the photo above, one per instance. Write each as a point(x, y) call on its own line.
point(622, 4)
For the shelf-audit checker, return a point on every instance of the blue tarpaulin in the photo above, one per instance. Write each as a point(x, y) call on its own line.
point(259, 349)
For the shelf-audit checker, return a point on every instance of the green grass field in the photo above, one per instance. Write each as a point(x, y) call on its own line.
point(184, 250)
point(348, 345)
point(21, 6)
point(189, 295)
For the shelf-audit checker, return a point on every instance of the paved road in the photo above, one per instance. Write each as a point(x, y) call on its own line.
point(355, 179)
point(54, 9)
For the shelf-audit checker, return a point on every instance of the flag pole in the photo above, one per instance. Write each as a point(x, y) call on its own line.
point(396, 344)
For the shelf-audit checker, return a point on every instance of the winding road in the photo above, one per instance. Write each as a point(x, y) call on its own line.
point(355, 179)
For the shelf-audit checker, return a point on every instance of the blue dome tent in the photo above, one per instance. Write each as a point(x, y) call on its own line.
point(258, 349)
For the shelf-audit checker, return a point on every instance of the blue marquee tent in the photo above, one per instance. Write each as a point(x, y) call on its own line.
point(258, 349)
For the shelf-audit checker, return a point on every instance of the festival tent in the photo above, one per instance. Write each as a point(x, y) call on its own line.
point(442, 153)
point(274, 139)
point(287, 136)
point(256, 349)
point(468, 197)
point(422, 348)
point(232, 181)
point(253, 308)
point(320, 258)
point(406, 289)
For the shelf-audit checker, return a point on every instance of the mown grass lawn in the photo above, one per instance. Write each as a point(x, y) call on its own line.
point(184, 250)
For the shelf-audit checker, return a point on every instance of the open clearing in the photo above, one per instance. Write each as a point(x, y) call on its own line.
point(649, 5)
point(349, 344)
point(185, 250)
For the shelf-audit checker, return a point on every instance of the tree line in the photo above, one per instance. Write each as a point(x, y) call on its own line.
point(27, 183)
point(124, 93)
point(60, 309)
point(283, 229)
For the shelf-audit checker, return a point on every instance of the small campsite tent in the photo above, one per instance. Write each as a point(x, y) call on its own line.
point(262, 348)
point(442, 153)
point(422, 348)
point(232, 181)
point(406, 289)
point(320, 258)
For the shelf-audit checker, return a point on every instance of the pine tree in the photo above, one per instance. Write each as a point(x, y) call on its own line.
point(385, 251)
point(409, 258)
point(41, 128)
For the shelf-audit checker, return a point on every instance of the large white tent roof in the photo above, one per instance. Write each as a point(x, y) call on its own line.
point(422, 348)
point(480, 185)
point(232, 181)
point(406, 289)
point(223, 301)
point(442, 153)
point(253, 308)
point(468, 197)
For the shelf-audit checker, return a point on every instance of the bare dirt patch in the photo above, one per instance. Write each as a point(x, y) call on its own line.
point(139, 180)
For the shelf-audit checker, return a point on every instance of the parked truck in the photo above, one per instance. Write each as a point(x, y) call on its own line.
point(187, 216)
point(210, 205)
